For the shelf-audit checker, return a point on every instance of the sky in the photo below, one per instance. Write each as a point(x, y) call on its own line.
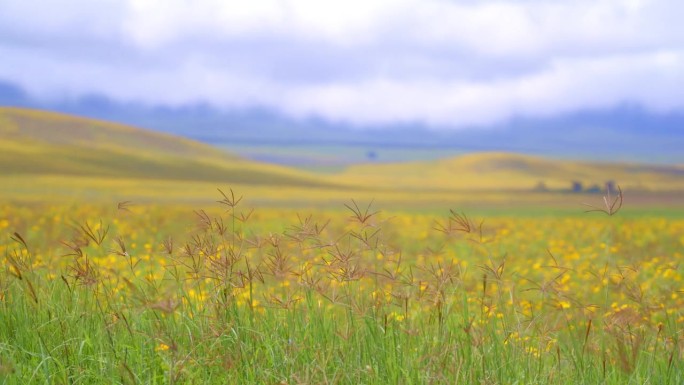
point(439, 63)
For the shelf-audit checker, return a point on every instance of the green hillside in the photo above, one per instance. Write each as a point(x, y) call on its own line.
point(46, 143)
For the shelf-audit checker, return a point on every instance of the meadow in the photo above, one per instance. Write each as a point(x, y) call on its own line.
point(137, 293)
point(123, 263)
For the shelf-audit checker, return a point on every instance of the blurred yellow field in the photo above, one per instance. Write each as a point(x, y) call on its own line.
point(577, 256)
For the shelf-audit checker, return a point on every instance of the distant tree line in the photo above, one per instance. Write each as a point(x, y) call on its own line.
point(579, 187)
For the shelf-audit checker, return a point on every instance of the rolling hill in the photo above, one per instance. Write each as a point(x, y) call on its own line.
point(34, 142)
point(46, 155)
point(507, 171)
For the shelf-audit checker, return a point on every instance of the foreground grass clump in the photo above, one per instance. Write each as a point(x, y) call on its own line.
point(161, 295)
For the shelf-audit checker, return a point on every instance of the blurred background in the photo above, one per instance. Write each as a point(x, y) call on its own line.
point(526, 95)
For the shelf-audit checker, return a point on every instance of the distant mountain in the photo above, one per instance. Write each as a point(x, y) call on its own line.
point(624, 133)
point(12, 95)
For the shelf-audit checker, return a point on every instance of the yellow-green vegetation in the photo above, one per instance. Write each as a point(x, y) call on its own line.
point(492, 171)
point(162, 294)
point(49, 156)
point(295, 288)
point(36, 142)
point(80, 189)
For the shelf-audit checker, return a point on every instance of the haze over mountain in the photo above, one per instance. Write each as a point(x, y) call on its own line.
point(624, 133)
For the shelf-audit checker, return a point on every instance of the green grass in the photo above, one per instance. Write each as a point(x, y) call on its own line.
point(154, 294)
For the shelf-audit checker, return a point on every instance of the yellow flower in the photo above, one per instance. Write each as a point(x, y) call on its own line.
point(161, 347)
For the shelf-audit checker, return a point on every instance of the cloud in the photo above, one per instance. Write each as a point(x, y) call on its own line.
point(566, 85)
point(439, 62)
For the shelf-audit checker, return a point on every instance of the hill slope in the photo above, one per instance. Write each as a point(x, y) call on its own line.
point(39, 143)
point(489, 171)
point(47, 143)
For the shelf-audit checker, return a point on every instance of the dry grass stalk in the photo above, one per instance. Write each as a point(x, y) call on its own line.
point(611, 205)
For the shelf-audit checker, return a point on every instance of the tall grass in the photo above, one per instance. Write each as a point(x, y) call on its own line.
point(361, 297)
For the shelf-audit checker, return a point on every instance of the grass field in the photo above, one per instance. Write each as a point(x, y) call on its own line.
point(165, 294)
point(373, 276)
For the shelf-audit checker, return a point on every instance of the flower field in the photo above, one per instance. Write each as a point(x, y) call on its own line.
point(139, 294)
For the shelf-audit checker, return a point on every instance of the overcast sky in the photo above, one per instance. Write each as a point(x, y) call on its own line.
point(437, 62)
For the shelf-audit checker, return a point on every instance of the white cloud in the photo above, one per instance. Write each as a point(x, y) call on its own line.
point(567, 85)
point(368, 62)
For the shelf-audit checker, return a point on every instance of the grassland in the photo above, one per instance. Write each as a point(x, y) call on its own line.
point(158, 278)
point(150, 294)
point(46, 155)
point(495, 171)
point(39, 143)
